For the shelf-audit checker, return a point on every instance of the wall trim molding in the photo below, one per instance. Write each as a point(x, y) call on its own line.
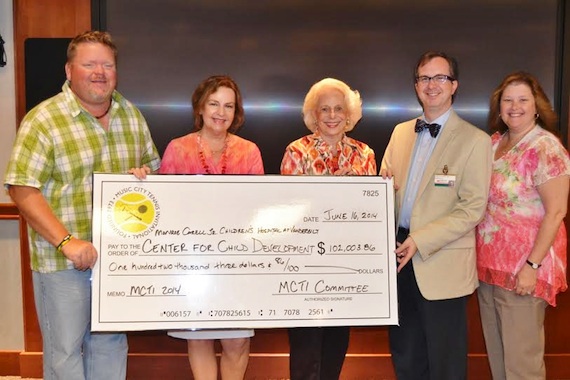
point(9, 211)
point(150, 366)
point(10, 363)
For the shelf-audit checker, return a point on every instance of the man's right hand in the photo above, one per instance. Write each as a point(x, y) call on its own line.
point(82, 253)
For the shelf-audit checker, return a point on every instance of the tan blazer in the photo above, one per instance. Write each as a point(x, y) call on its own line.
point(443, 219)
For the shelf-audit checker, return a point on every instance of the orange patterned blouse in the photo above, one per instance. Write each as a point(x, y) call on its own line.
point(311, 155)
point(184, 155)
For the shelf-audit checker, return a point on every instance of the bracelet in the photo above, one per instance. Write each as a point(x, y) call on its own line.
point(65, 240)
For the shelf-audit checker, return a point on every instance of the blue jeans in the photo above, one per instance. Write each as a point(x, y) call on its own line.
point(70, 350)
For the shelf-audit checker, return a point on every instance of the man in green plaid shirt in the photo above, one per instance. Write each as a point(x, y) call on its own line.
point(88, 127)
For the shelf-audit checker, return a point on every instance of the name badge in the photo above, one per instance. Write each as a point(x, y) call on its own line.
point(444, 180)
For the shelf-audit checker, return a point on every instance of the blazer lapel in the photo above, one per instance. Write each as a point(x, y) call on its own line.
point(407, 149)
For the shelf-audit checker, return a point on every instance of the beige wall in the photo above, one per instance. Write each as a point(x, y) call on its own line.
point(7, 92)
point(11, 321)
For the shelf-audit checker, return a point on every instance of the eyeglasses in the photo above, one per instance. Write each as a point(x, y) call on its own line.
point(439, 78)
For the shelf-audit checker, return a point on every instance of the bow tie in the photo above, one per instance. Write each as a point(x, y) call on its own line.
point(433, 128)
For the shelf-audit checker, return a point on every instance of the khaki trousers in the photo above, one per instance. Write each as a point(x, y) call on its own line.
point(513, 327)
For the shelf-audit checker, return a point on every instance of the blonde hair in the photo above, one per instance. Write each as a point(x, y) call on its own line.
point(91, 36)
point(351, 97)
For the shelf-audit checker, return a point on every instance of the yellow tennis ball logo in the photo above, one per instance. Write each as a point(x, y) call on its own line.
point(134, 212)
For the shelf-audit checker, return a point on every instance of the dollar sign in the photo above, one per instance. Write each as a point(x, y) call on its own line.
point(321, 246)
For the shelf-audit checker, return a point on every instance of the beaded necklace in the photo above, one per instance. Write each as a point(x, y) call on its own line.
point(205, 165)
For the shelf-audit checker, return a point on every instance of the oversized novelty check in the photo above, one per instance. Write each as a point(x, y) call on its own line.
point(194, 251)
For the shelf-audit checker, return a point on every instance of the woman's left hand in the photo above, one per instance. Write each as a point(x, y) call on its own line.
point(526, 281)
point(141, 172)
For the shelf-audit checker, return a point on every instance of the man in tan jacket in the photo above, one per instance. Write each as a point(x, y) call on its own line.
point(441, 167)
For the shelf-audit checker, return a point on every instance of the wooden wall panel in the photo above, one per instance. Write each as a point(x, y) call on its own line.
point(53, 18)
point(153, 355)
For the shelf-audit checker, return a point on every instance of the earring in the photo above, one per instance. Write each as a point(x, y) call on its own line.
point(536, 116)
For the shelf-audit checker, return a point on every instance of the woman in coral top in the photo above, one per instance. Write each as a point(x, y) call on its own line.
point(215, 149)
point(521, 242)
point(331, 108)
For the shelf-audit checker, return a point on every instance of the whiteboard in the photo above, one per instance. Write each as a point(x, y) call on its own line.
point(209, 251)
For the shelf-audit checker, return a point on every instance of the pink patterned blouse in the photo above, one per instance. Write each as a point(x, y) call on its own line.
point(184, 155)
point(311, 155)
point(514, 213)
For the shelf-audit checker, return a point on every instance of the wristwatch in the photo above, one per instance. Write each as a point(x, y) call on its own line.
point(533, 265)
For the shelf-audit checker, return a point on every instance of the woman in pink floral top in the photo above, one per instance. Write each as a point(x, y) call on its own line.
point(521, 242)
point(331, 108)
point(214, 149)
